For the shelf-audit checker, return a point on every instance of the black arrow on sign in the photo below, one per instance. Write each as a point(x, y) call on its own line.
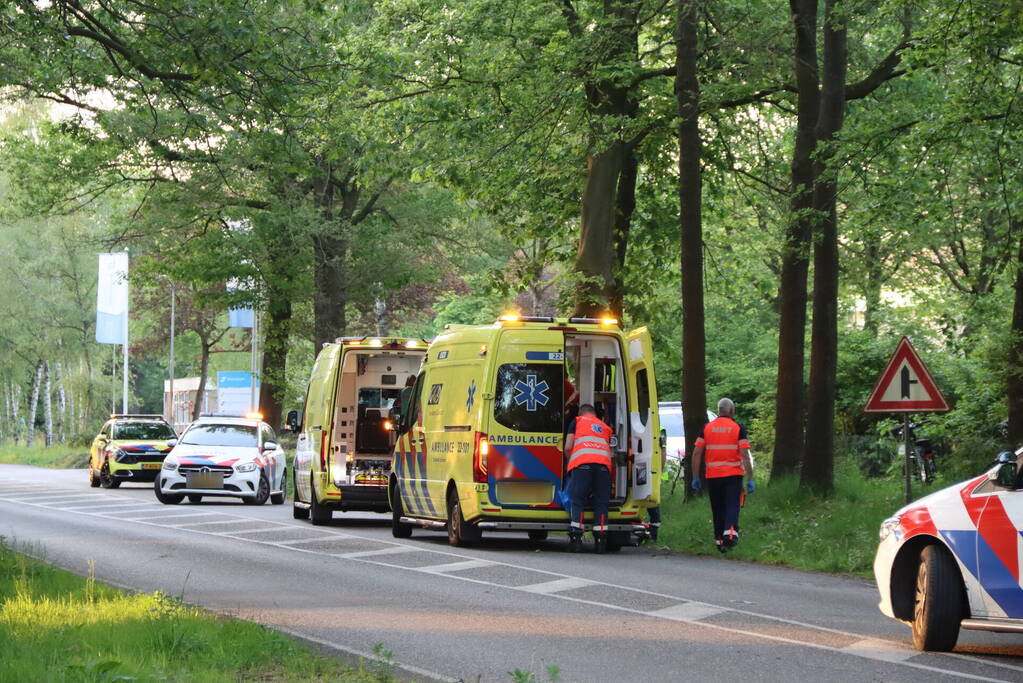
point(906, 381)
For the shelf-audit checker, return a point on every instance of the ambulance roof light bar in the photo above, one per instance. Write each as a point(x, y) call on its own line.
point(517, 318)
point(608, 320)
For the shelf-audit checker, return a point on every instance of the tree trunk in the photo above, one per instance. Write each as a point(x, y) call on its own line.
point(819, 458)
point(36, 382)
point(1014, 371)
point(61, 404)
point(329, 298)
point(690, 190)
point(788, 429)
point(595, 259)
point(872, 286)
point(47, 405)
point(275, 354)
point(204, 365)
point(626, 206)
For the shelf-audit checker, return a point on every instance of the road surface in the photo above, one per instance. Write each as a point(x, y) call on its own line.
point(477, 614)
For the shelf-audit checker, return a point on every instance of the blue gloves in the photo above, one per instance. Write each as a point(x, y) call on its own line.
point(697, 484)
point(750, 486)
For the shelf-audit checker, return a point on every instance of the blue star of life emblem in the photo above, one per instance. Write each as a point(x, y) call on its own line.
point(471, 398)
point(531, 393)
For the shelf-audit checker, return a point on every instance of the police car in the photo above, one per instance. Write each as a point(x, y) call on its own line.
point(129, 448)
point(224, 456)
point(952, 559)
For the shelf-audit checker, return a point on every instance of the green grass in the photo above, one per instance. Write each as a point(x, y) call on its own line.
point(783, 525)
point(58, 456)
point(57, 626)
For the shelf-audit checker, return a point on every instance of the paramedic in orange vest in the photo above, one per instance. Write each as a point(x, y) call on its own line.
point(727, 447)
point(588, 448)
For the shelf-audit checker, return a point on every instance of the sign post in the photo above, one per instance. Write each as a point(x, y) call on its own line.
point(905, 386)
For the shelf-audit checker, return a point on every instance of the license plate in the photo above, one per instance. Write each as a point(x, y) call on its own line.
point(205, 480)
point(151, 465)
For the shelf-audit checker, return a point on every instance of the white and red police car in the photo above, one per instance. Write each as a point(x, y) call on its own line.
point(952, 559)
point(224, 456)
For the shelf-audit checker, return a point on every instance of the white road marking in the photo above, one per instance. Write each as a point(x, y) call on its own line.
point(866, 651)
point(455, 566)
point(119, 507)
point(882, 650)
point(297, 541)
point(688, 611)
point(162, 515)
point(556, 585)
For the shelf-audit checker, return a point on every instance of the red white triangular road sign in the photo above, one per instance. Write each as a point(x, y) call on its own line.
point(905, 386)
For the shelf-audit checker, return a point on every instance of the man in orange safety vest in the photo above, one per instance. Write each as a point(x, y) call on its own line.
point(588, 448)
point(727, 449)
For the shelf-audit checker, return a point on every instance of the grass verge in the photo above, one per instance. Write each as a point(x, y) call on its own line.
point(782, 524)
point(57, 626)
point(58, 456)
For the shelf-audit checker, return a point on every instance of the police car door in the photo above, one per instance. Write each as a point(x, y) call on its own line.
point(643, 423)
point(998, 554)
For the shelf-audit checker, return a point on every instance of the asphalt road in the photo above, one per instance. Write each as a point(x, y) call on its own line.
point(477, 614)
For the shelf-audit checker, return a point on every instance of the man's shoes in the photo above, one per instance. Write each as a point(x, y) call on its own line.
point(600, 543)
point(731, 537)
point(720, 545)
point(575, 543)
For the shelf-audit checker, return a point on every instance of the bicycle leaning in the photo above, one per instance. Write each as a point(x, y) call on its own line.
point(922, 457)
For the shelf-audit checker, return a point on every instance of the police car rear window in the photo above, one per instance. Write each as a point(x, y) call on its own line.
point(529, 397)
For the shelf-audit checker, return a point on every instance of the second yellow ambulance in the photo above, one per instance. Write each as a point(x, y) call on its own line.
point(480, 447)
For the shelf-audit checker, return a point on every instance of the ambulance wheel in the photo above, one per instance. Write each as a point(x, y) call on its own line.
point(296, 511)
point(538, 535)
point(166, 498)
point(262, 492)
point(460, 532)
point(93, 478)
point(107, 480)
point(939, 601)
point(278, 498)
point(399, 529)
point(320, 515)
point(194, 498)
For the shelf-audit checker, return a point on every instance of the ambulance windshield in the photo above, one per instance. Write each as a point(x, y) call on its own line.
point(529, 397)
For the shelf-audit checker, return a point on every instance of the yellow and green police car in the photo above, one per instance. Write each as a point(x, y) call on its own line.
point(129, 448)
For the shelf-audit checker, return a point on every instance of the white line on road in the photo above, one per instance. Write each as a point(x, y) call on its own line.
point(368, 555)
point(455, 566)
point(688, 611)
point(882, 650)
point(556, 585)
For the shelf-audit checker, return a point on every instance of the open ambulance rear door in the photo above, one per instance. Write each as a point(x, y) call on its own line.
point(644, 429)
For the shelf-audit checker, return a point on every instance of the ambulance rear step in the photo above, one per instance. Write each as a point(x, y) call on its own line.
point(545, 526)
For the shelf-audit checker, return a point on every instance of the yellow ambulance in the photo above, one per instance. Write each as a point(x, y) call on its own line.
point(480, 447)
point(346, 434)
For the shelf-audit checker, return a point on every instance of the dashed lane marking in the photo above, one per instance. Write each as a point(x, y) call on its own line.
point(455, 566)
point(872, 649)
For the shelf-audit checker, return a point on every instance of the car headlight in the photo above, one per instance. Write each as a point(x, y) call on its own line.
point(889, 527)
point(170, 465)
point(245, 467)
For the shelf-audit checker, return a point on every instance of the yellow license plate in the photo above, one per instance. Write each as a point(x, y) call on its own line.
point(151, 465)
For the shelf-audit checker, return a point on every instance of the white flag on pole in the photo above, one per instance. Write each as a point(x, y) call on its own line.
point(112, 298)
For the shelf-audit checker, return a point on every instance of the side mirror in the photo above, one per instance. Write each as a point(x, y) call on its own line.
point(269, 445)
point(291, 421)
point(664, 439)
point(1005, 476)
point(171, 443)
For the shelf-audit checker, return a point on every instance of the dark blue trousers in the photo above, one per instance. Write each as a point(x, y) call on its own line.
point(588, 484)
point(724, 502)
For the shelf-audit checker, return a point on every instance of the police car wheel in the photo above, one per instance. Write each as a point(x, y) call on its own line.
point(93, 478)
point(538, 535)
point(399, 529)
point(262, 492)
point(460, 532)
point(296, 511)
point(938, 607)
point(107, 480)
point(194, 498)
point(320, 514)
point(166, 498)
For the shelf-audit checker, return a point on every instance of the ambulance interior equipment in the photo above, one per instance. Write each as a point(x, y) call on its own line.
point(593, 363)
point(363, 435)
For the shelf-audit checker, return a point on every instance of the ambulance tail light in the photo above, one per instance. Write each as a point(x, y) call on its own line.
point(324, 440)
point(480, 457)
